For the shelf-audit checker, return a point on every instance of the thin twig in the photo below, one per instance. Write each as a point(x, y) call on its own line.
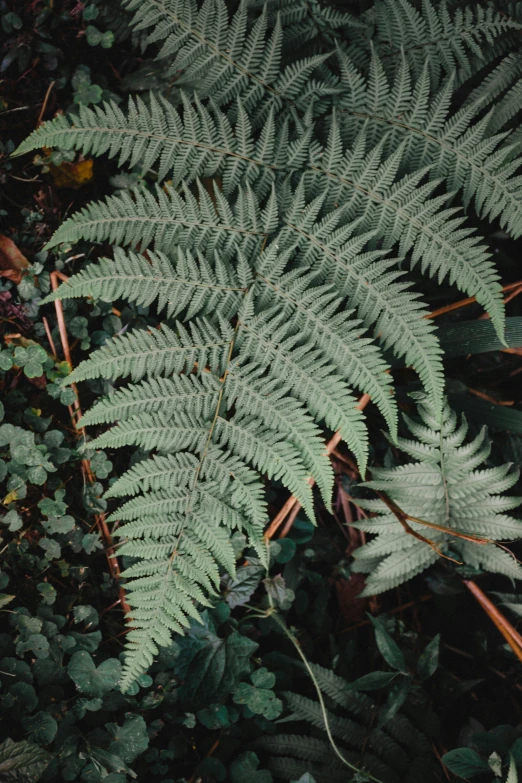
point(44, 104)
point(49, 336)
point(510, 634)
point(464, 302)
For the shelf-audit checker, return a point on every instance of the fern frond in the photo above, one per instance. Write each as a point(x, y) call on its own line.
point(460, 148)
point(401, 211)
point(159, 352)
point(194, 394)
point(192, 284)
point(169, 219)
point(445, 488)
point(278, 286)
point(449, 38)
point(223, 59)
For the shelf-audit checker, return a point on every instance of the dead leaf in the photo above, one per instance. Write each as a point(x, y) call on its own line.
point(72, 175)
point(12, 261)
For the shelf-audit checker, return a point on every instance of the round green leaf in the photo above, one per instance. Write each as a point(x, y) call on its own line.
point(91, 680)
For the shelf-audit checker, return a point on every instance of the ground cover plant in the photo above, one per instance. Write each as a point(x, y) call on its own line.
point(259, 454)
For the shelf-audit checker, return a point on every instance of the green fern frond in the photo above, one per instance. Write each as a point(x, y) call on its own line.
point(222, 58)
point(169, 219)
point(448, 37)
point(402, 211)
point(159, 352)
point(444, 488)
point(459, 148)
point(195, 394)
point(192, 284)
point(277, 285)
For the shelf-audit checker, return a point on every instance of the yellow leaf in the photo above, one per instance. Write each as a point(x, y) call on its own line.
point(72, 175)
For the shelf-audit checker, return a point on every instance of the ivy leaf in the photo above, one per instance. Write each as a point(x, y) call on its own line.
point(42, 726)
point(465, 763)
point(51, 547)
point(214, 717)
point(91, 680)
point(21, 698)
point(22, 761)
point(281, 595)
point(388, 648)
point(91, 542)
point(262, 678)
point(37, 643)
point(131, 739)
point(86, 614)
point(52, 508)
point(259, 700)
point(59, 524)
point(48, 593)
point(6, 361)
point(216, 669)
point(429, 660)
point(238, 591)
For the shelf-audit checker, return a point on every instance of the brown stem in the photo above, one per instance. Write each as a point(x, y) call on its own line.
point(510, 634)
point(114, 566)
point(470, 300)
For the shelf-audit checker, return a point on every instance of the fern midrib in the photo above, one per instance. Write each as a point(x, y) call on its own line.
point(176, 19)
point(169, 221)
point(155, 279)
point(444, 145)
point(197, 475)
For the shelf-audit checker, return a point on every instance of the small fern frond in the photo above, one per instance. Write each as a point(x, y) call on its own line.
point(169, 219)
point(443, 488)
point(223, 59)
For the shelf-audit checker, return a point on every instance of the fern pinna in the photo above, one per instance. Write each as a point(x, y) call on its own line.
point(333, 155)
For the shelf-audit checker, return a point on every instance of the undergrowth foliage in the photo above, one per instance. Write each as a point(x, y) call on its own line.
point(294, 195)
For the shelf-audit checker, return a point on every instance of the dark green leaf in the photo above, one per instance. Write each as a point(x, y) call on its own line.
point(465, 763)
point(387, 646)
point(21, 762)
point(373, 681)
point(429, 660)
point(92, 680)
